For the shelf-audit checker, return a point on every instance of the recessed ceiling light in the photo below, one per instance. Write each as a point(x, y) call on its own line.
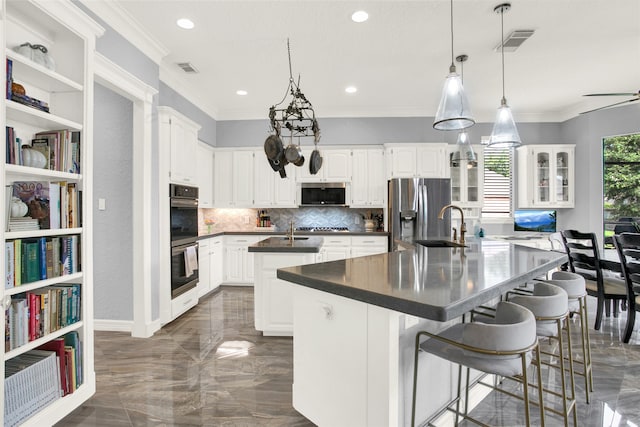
point(185, 23)
point(359, 16)
point(351, 89)
point(241, 92)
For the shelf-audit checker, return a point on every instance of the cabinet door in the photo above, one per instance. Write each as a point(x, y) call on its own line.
point(431, 159)
point(359, 182)
point(302, 173)
point(337, 165)
point(184, 140)
point(263, 182)
point(223, 174)
point(233, 257)
point(377, 181)
point(542, 177)
point(243, 178)
point(564, 177)
point(216, 264)
point(285, 188)
point(204, 267)
point(205, 176)
point(335, 253)
point(403, 162)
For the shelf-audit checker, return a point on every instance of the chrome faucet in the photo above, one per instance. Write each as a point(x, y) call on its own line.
point(290, 232)
point(463, 226)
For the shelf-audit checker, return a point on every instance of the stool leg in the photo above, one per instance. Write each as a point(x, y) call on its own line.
point(562, 373)
point(540, 387)
point(571, 374)
point(586, 348)
point(415, 381)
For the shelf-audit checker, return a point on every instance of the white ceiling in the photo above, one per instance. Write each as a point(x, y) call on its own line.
point(399, 58)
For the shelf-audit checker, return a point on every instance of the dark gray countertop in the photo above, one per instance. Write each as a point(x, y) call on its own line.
point(297, 233)
point(433, 283)
point(282, 244)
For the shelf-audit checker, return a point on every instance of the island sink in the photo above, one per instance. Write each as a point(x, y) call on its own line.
point(439, 244)
point(295, 238)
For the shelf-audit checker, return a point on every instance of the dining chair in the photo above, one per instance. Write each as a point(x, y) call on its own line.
point(628, 248)
point(501, 348)
point(601, 275)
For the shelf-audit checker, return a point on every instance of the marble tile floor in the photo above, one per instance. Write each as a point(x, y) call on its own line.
point(211, 368)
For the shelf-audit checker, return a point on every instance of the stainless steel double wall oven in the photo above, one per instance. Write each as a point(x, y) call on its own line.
point(184, 237)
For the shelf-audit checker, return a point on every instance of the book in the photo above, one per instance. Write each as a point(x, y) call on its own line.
point(42, 145)
point(9, 77)
point(72, 339)
point(42, 257)
point(30, 261)
point(58, 346)
point(54, 205)
point(17, 262)
point(36, 195)
point(9, 265)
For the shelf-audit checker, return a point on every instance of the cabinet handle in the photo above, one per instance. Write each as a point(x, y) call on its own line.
point(187, 302)
point(328, 311)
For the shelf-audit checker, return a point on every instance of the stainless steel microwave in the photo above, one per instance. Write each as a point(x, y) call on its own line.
point(323, 194)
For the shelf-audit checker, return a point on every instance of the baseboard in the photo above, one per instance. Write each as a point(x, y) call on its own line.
point(112, 325)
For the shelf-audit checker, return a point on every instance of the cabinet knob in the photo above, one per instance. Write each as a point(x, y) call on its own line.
point(328, 311)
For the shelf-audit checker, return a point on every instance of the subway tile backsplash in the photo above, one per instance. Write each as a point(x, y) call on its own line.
point(245, 219)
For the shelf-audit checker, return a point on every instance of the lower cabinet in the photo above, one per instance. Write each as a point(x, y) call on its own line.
point(273, 298)
point(335, 248)
point(366, 245)
point(341, 247)
point(238, 262)
point(211, 265)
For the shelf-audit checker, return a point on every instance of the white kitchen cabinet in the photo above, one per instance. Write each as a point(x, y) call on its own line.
point(270, 190)
point(204, 267)
point(336, 166)
point(546, 176)
point(273, 302)
point(368, 183)
point(368, 245)
point(70, 36)
point(467, 180)
point(182, 135)
point(233, 178)
point(335, 248)
point(216, 269)
point(423, 160)
point(204, 166)
point(238, 261)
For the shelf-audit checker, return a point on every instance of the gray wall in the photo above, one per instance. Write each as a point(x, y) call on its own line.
point(113, 227)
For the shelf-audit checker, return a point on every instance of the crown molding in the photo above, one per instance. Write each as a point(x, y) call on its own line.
point(170, 76)
point(122, 22)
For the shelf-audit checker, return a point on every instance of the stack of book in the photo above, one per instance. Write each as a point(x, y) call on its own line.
point(25, 223)
point(61, 149)
point(32, 382)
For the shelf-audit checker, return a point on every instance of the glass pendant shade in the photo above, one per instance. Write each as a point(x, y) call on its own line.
point(464, 151)
point(454, 112)
point(504, 134)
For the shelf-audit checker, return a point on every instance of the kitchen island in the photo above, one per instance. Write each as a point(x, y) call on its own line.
point(355, 321)
point(273, 298)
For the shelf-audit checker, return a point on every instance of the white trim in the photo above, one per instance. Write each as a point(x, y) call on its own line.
point(112, 325)
point(122, 22)
point(66, 12)
point(122, 82)
point(171, 78)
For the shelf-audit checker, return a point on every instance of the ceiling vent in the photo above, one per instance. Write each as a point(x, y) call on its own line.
point(187, 67)
point(514, 40)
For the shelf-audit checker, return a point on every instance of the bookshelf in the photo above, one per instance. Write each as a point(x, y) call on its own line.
point(61, 297)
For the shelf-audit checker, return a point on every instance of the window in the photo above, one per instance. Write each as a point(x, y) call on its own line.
point(498, 166)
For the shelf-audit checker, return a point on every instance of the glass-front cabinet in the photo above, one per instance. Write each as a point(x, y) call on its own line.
point(545, 176)
point(467, 179)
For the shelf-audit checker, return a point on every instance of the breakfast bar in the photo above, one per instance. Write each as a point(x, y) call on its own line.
point(355, 321)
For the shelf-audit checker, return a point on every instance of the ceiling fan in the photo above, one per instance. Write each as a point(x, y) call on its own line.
point(635, 95)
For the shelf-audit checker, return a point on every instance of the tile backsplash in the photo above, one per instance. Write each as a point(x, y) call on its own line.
point(246, 219)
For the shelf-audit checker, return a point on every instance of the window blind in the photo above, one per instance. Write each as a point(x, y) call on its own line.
point(498, 167)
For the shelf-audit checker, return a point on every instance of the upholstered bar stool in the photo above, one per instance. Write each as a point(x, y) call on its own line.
point(575, 286)
point(550, 306)
point(502, 347)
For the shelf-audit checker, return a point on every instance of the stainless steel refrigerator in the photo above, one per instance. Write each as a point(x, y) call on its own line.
point(414, 204)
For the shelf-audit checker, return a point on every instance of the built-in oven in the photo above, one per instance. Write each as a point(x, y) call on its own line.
point(184, 237)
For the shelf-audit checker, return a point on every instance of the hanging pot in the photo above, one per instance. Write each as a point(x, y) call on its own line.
point(273, 147)
point(300, 161)
point(293, 153)
point(315, 162)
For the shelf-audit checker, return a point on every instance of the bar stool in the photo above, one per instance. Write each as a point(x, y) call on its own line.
point(502, 348)
point(575, 286)
point(550, 306)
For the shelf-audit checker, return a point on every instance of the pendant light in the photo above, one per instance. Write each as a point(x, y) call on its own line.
point(454, 112)
point(504, 134)
point(464, 151)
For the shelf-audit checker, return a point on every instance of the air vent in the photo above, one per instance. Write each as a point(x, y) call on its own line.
point(514, 40)
point(187, 67)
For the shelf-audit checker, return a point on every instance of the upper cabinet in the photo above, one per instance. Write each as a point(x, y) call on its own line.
point(336, 166)
point(181, 135)
point(270, 189)
point(233, 178)
point(368, 183)
point(204, 165)
point(424, 160)
point(546, 176)
point(48, 171)
point(467, 179)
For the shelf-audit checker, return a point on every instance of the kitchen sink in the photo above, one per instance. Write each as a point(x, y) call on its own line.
point(439, 244)
point(295, 238)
